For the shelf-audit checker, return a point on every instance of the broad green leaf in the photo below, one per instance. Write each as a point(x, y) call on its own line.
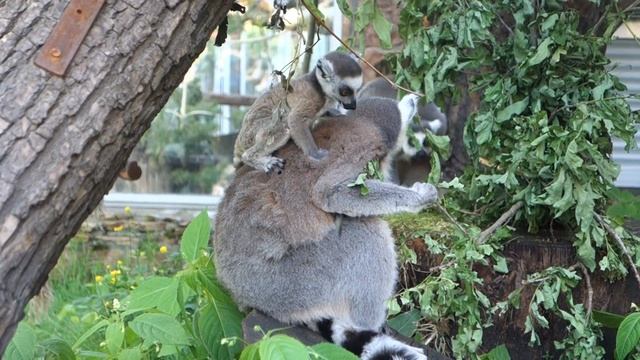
point(99, 325)
point(405, 323)
point(328, 351)
point(167, 350)
point(382, 27)
point(586, 252)
point(497, 353)
point(196, 237)
point(130, 354)
point(251, 352)
point(160, 328)
point(571, 157)
point(23, 344)
point(628, 336)
point(598, 91)
point(501, 265)
point(607, 319)
point(59, 348)
point(514, 109)
point(216, 321)
point(157, 292)
point(541, 53)
point(282, 347)
point(85, 354)
point(211, 286)
point(441, 144)
point(114, 335)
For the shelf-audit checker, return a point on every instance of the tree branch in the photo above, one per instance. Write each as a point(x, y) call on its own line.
point(621, 245)
point(587, 280)
point(503, 219)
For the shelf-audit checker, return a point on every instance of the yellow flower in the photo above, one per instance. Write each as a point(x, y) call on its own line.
point(163, 249)
point(115, 273)
point(118, 228)
point(113, 280)
point(99, 279)
point(127, 210)
point(119, 262)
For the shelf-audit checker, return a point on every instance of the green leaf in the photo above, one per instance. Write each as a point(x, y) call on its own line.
point(130, 354)
point(328, 351)
point(441, 144)
point(598, 91)
point(160, 328)
point(251, 352)
point(59, 348)
point(382, 27)
point(405, 323)
point(571, 157)
point(501, 265)
point(216, 321)
point(586, 252)
point(195, 237)
point(282, 347)
point(541, 53)
point(313, 9)
point(345, 7)
point(167, 350)
point(514, 109)
point(159, 292)
point(607, 319)
point(114, 335)
point(628, 336)
point(497, 353)
point(435, 173)
point(23, 344)
point(99, 325)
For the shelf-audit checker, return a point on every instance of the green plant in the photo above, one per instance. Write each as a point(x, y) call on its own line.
point(539, 144)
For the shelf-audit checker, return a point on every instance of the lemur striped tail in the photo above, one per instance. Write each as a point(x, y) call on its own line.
point(367, 344)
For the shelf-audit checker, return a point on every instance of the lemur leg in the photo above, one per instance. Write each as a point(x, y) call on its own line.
point(259, 155)
point(301, 135)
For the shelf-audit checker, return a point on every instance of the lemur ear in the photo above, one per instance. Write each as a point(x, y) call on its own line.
point(325, 67)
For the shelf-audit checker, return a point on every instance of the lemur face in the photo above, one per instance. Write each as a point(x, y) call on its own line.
point(340, 77)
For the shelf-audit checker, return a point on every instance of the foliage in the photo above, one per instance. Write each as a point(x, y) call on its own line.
point(177, 310)
point(541, 136)
point(371, 171)
point(628, 336)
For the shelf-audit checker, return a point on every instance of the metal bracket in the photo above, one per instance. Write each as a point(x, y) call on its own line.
point(65, 39)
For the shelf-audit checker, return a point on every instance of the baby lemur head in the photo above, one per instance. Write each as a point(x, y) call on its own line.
point(340, 77)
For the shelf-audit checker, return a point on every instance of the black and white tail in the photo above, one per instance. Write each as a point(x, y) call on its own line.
point(367, 344)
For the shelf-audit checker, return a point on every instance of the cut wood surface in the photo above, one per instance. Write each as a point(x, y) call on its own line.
point(63, 140)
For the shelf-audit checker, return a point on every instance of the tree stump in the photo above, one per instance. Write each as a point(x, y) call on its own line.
point(64, 139)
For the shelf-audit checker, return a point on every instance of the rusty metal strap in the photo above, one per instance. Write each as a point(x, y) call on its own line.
point(65, 39)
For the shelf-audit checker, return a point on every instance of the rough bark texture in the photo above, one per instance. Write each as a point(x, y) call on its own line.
point(63, 140)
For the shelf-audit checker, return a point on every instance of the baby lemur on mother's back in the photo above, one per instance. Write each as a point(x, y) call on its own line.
point(281, 114)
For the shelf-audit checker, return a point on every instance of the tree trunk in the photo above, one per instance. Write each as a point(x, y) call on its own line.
point(63, 140)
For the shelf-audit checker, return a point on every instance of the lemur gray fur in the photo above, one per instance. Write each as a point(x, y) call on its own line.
point(280, 114)
point(431, 118)
point(277, 249)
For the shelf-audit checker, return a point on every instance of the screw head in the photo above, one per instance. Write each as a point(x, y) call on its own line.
point(55, 52)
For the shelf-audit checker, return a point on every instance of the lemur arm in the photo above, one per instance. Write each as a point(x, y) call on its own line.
point(383, 197)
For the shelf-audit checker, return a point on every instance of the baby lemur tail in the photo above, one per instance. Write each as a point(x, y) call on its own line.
point(367, 344)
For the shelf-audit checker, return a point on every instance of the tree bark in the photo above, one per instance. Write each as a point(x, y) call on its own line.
point(63, 140)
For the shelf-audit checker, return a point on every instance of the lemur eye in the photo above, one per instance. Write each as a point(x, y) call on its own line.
point(346, 91)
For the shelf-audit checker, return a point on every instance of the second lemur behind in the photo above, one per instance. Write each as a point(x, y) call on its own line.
point(280, 114)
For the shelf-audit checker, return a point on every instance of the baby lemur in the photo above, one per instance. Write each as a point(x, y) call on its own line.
point(277, 249)
point(280, 114)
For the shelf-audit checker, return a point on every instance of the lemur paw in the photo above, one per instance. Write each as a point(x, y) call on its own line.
point(427, 192)
point(319, 154)
point(274, 163)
